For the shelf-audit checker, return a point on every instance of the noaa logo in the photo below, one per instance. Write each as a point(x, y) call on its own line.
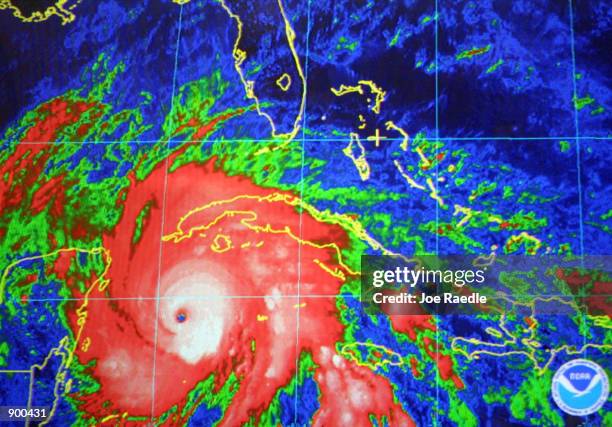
point(580, 387)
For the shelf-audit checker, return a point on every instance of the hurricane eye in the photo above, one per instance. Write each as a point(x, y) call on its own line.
point(181, 317)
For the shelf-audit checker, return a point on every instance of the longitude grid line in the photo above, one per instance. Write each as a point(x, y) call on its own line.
point(303, 145)
point(163, 216)
point(576, 124)
point(30, 395)
point(578, 155)
point(437, 136)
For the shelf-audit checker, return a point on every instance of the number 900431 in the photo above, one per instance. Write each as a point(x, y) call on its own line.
point(14, 413)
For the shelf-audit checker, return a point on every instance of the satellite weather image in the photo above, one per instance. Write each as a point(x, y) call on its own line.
point(297, 212)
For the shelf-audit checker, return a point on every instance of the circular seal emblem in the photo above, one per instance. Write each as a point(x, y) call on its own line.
point(580, 387)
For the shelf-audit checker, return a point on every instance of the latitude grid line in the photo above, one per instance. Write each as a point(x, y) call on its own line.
point(163, 217)
point(313, 296)
point(322, 139)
